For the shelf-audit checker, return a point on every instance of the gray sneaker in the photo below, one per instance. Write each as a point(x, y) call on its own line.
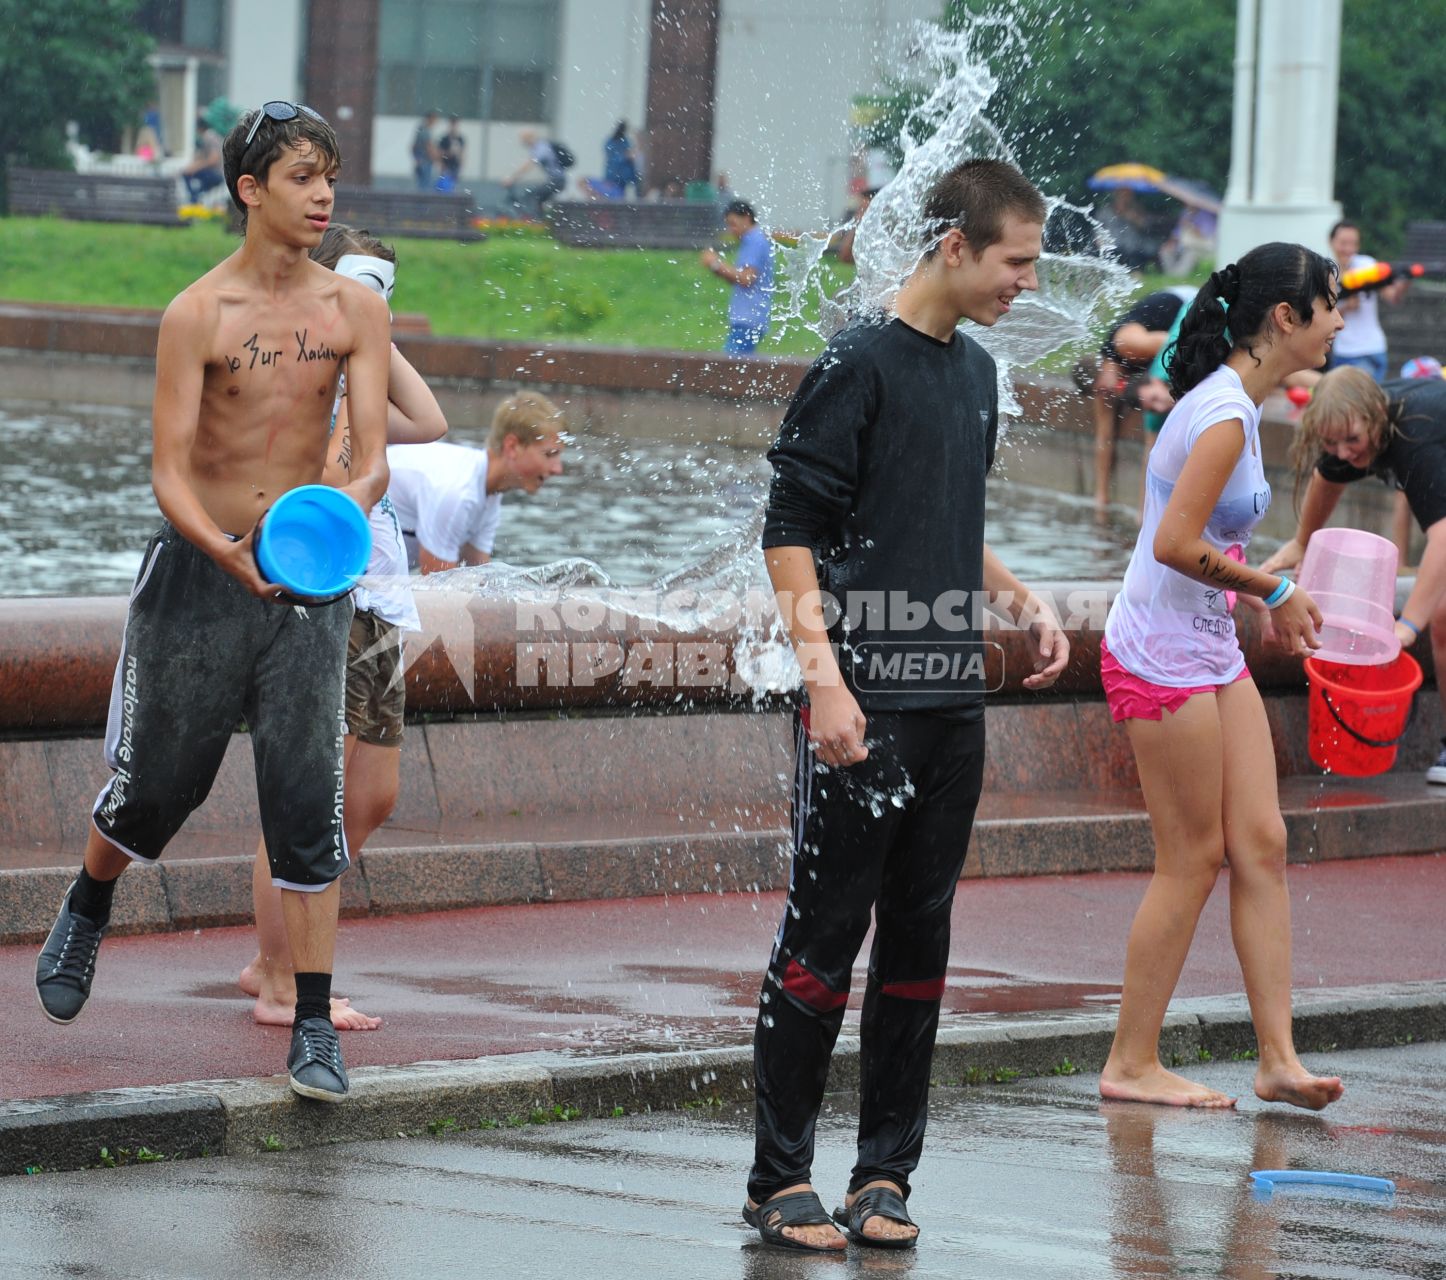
point(315, 1061)
point(67, 964)
point(1437, 772)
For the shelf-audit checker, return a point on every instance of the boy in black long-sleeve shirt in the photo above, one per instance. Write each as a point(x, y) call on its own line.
point(878, 500)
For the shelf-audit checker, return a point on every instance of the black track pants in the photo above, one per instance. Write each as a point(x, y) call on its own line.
point(887, 835)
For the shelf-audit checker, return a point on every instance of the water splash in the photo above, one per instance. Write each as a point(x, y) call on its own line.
point(1079, 280)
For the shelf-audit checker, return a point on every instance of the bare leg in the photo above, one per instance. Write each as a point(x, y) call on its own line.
point(1438, 649)
point(102, 859)
point(1179, 760)
point(1260, 900)
point(1401, 528)
point(271, 976)
point(1105, 405)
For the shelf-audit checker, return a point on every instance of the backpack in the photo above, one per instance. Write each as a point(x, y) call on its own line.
point(565, 158)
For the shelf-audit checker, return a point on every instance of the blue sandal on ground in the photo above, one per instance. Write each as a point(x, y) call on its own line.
point(877, 1202)
point(797, 1209)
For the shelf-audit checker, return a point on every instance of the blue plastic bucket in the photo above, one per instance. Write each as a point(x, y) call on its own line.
point(315, 542)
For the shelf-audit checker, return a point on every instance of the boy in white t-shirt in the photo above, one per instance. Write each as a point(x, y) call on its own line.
point(448, 497)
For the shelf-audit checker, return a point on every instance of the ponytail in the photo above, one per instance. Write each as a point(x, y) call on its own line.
point(1232, 310)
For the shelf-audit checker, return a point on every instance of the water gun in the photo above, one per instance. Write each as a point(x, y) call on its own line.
point(1377, 276)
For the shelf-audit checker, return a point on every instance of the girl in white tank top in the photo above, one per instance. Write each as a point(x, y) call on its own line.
point(1200, 736)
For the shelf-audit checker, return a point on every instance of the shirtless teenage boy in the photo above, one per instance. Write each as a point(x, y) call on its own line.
point(246, 371)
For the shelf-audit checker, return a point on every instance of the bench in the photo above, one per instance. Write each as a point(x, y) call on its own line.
point(1426, 244)
point(621, 224)
point(425, 215)
point(92, 197)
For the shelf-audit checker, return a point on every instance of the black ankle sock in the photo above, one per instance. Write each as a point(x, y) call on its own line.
point(313, 996)
point(91, 898)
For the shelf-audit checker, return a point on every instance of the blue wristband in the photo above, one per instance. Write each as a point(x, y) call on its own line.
point(1276, 596)
point(1406, 622)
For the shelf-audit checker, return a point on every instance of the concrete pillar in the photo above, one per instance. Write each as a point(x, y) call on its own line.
point(682, 68)
point(340, 77)
point(1282, 165)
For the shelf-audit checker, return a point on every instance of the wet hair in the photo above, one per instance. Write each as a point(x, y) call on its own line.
point(528, 416)
point(1345, 224)
point(272, 138)
point(1251, 289)
point(339, 240)
point(742, 208)
point(621, 132)
point(976, 197)
point(1345, 395)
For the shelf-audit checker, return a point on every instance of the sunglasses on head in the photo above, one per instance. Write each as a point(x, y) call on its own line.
point(279, 111)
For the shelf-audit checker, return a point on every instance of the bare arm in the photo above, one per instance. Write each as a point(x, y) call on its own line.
point(413, 414)
point(746, 277)
point(366, 393)
point(1321, 496)
point(1137, 343)
point(180, 374)
point(1179, 544)
point(1010, 596)
point(836, 725)
point(1430, 588)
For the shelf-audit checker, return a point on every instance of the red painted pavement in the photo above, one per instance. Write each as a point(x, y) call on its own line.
point(607, 977)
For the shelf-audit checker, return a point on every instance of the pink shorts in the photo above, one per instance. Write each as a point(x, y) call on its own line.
point(1131, 698)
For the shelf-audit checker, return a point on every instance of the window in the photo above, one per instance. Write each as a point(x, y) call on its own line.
point(190, 24)
point(487, 59)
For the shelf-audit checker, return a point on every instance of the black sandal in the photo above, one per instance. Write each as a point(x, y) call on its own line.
point(797, 1209)
point(876, 1202)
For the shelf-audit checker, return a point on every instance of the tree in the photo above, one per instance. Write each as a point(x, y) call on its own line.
point(1152, 81)
point(61, 60)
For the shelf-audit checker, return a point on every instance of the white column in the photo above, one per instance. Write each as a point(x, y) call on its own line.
point(1282, 180)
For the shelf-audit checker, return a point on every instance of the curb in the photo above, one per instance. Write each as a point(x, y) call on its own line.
point(202, 893)
point(236, 1117)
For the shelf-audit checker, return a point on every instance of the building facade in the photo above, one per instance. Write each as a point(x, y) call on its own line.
point(757, 89)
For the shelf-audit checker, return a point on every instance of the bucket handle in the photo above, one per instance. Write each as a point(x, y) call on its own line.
point(1360, 737)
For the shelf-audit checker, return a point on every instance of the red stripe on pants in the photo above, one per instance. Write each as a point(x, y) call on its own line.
point(802, 985)
point(926, 989)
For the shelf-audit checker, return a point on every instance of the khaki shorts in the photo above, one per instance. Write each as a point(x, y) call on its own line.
point(376, 693)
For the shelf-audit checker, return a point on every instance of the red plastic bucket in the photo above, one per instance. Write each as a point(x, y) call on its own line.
point(1358, 715)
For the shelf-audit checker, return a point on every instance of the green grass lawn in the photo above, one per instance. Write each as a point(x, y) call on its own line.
point(510, 287)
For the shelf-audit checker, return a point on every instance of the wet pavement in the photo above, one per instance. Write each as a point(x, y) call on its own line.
point(610, 977)
point(1027, 1181)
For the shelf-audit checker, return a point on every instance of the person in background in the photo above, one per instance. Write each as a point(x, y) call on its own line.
point(424, 151)
point(1133, 341)
point(845, 246)
point(620, 168)
point(204, 172)
point(1362, 342)
point(448, 496)
point(751, 275)
point(375, 690)
point(450, 148)
point(542, 156)
point(1352, 428)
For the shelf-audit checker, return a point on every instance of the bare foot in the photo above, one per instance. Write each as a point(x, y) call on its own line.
point(876, 1226)
point(1295, 1085)
point(274, 1013)
point(822, 1236)
point(1159, 1086)
point(250, 979)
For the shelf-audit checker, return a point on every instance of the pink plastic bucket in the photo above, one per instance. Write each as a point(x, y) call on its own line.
point(1351, 576)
